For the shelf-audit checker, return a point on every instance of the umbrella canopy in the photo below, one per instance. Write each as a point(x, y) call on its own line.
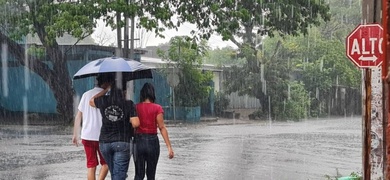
point(130, 69)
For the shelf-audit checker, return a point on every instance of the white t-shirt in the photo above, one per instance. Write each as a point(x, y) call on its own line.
point(92, 119)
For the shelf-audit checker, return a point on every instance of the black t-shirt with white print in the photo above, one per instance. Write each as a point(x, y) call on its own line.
point(116, 114)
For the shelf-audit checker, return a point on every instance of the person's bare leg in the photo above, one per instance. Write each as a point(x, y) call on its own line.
point(92, 173)
point(103, 172)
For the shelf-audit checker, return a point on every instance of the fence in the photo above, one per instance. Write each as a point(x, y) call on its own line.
point(242, 102)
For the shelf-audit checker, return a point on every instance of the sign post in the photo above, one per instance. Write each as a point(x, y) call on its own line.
point(364, 49)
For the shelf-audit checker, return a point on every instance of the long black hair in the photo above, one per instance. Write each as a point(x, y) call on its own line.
point(147, 92)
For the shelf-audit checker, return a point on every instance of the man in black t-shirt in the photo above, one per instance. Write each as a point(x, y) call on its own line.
point(119, 120)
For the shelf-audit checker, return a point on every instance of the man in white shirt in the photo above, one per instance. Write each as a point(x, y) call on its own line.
point(90, 130)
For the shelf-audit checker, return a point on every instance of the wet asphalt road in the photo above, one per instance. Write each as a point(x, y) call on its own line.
point(222, 150)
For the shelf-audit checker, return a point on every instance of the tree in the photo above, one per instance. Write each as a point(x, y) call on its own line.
point(51, 19)
point(244, 23)
point(320, 60)
point(187, 56)
point(345, 16)
point(246, 18)
point(103, 38)
point(321, 65)
point(269, 82)
point(47, 20)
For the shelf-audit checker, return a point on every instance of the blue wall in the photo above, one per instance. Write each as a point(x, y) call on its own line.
point(39, 97)
point(34, 95)
point(33, 91)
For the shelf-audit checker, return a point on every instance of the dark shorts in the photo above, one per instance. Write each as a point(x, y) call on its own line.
point(92, 152)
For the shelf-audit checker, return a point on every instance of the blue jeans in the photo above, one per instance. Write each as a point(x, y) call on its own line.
point(117, 156)
point(146, 153)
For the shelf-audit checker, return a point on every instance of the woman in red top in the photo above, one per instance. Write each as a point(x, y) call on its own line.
point(147, 146)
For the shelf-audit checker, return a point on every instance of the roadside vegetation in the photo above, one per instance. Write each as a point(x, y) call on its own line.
point(303, 74)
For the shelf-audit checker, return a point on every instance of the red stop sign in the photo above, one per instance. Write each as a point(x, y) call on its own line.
point(364, 45)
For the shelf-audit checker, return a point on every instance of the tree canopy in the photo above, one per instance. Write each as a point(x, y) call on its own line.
point(246, 18)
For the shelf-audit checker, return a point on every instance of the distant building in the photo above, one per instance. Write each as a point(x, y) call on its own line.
point(152, 51)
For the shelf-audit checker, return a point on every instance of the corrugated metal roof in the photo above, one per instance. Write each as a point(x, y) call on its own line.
point(159, 63)
point(64, 40)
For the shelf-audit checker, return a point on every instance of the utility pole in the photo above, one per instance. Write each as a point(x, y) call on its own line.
point(132, 56)
point(118, 52)
point(372, 106)
point(129, 54)
point(126, 35)
point(386, 80)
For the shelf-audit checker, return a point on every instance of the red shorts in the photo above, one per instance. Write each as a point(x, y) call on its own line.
point(92, 152)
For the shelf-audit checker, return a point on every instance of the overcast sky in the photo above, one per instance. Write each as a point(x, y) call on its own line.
point(105, 36)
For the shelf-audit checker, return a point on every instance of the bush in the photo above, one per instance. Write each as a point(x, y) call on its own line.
point(296, 107)
point(257, 115)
